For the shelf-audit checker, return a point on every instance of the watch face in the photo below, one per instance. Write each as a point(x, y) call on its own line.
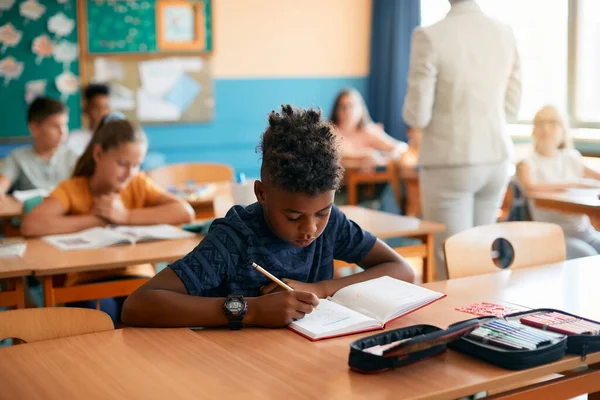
point(235, 306)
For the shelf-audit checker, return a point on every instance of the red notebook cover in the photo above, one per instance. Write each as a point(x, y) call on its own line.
point(364, 330)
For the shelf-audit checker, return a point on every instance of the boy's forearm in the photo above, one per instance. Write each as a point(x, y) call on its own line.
point(160, 308)
point(398, 270)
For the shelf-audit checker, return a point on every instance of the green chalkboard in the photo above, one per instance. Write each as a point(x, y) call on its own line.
point(129, 26)
point(13, 107)
point(121, 26)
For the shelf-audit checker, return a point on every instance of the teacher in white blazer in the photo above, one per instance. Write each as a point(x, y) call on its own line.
point(463, 84)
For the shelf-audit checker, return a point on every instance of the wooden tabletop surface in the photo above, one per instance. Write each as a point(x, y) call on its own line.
point(48, 260)
point(385, 225)
point(265, 363)
point(582, 201)
point(10, 207)
point(12, 267)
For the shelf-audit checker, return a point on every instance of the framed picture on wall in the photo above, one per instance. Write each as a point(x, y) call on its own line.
point(181, 25)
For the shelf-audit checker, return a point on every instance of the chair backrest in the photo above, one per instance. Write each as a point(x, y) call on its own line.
point(469, 253)
point(180, 174)
point(34, 324)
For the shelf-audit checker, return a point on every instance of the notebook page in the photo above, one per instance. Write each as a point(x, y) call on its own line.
point(332, 319)
point(92, 238)
point(152, 232)
point(384, 298)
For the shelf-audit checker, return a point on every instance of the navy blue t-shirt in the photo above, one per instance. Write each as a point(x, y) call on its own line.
point(221, 264)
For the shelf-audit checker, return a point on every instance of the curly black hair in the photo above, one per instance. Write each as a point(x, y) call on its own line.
point(300, 152)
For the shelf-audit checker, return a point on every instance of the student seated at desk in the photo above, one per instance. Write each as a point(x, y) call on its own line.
point(107, 187)
point(363, 143)
point(48, 161)
point(294, 231)
point(96, 107)
point(555, 166)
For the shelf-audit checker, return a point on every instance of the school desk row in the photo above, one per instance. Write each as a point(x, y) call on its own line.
point(45, 261)
point(204, 207)
point(259, 363)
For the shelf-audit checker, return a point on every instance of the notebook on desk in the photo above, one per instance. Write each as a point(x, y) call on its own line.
point(95, 238)
point(362, 307)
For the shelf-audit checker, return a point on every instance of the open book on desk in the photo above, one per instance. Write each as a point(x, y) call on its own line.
point(95, 238)
point(362, 307)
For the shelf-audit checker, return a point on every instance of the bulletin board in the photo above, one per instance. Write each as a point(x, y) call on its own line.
point(153, 54)
point(120, 26)
point(25, 74)
point(159, 90)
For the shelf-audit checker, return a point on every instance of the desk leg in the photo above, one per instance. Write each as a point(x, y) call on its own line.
point(13, 294)
point(48, 292)
point(429, 260)
point(596, 395)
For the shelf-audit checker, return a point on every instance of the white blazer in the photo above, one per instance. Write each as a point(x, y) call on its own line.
point(463, 84)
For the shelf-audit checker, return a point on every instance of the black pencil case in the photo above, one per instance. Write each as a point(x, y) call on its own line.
point(582, 344)
point(511, 358)
point(419, 342)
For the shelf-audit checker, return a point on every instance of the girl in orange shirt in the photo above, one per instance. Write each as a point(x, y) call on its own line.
point(107, 187)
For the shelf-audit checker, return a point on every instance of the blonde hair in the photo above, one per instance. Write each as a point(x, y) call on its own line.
point(566, 141)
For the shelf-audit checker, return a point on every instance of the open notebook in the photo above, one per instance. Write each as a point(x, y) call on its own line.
point(363, 307)
point(95, 238)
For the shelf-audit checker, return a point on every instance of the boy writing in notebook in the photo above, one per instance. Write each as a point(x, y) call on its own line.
point(48, 161)
point(294, 232)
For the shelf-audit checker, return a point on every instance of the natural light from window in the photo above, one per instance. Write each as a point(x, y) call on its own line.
point(587, 103)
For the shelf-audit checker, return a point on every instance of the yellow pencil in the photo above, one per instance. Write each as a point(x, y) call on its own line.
point(271, 277)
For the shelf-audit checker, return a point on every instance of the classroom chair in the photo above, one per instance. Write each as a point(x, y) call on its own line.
point(354, 177)
point(34, 324)
point(199, 173)
point(469, 253)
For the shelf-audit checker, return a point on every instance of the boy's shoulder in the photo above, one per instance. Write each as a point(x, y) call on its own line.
point(240, 220)
point(23, 153)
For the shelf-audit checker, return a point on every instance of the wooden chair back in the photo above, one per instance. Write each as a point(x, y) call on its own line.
point(469, 253)
point(199, 173)
point(34, 324)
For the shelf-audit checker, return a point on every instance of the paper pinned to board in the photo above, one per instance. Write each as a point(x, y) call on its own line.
point(107, 71)
point(159, 76)
point(121, 98)
point(183, 93)
point(154, 108)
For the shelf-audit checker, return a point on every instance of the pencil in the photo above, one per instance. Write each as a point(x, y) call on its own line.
point(271, 277)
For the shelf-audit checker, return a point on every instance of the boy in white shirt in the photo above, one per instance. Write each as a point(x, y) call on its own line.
point(96, 107)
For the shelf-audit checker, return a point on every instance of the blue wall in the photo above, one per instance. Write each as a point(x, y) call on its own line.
point(241, 109)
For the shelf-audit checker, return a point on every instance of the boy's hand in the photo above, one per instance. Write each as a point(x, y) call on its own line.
point(318, 288)
point(279, 309)
point(111, 208)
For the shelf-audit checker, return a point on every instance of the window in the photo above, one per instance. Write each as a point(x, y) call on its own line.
point(545, 41)
point(587, 99)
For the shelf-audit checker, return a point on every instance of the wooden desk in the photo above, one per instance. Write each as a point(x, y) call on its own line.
point(385, 225)
point(356, 175)
point(12, 271)
point(571, 286)
point(10, 208)
point(47, 261)
point(569, 202)
point(205, 207)
point(267, 363)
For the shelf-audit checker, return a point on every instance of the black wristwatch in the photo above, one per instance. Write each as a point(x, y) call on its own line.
point(235, 308)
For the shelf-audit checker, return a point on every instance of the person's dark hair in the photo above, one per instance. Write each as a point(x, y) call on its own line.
point(109, 136)
point(300, 152)
point(95, 89)
point(44, 107)
point(365, 119)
